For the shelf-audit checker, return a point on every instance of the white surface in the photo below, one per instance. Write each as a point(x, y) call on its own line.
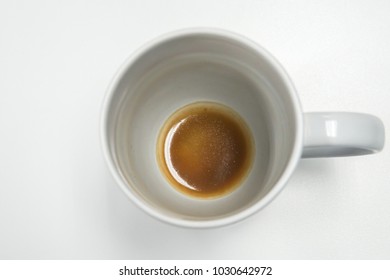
point(57, 198)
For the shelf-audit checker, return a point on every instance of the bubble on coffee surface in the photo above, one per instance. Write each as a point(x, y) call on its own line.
point(205, 150)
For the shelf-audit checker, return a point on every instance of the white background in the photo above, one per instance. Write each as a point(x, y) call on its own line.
point(57, 198)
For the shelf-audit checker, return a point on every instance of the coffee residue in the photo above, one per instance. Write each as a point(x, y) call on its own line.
point(205, 149)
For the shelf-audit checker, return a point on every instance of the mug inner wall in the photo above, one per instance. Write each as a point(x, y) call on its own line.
point(191, 68)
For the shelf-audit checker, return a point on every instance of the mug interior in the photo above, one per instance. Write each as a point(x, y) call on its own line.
point(187, 67)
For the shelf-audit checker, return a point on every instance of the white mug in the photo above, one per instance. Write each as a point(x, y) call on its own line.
point(215, 65)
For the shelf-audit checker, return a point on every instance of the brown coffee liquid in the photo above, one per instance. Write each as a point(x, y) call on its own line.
point(205, 150)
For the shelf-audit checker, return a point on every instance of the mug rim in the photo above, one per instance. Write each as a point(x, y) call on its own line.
point(241, 215)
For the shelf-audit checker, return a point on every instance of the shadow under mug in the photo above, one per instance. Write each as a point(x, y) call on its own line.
point(193, 65)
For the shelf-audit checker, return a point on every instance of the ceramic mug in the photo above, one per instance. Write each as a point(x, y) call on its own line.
point(215, 65)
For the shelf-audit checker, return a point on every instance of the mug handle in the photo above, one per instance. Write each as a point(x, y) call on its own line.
point(334, 134)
